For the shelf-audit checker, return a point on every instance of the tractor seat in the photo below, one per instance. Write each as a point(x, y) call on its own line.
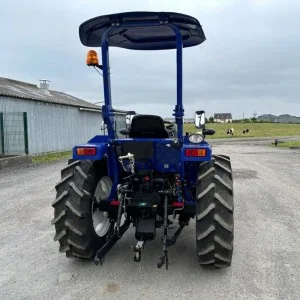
point(148, 126)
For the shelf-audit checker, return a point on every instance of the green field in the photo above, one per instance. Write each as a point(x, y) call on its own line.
point(255, 129)
point(289, 144)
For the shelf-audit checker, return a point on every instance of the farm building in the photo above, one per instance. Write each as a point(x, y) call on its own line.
point(35, 119)
point(185, 120)
point(223, 118)
point(279, 119)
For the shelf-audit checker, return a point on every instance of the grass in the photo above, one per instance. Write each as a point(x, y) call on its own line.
point(255, 129)
point(289, 144)
point(51, 157)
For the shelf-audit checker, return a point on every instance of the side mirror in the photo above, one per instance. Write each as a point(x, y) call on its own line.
point(103, 127)
point(124, 131)
point(128, 117)
point(200, 119)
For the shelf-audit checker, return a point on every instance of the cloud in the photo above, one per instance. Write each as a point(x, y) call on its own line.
point(250, 60)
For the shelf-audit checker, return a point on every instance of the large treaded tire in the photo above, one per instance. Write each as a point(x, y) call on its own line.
point(73, 209)
point(215, 213)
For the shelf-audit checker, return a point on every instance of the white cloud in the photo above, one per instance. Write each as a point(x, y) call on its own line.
point(262, 2)
point(250, 60)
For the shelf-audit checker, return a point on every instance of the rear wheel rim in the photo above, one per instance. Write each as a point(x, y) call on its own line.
point(101, 221)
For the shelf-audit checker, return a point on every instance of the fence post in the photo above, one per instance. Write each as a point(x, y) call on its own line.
point(25, 132)
point(2, 131)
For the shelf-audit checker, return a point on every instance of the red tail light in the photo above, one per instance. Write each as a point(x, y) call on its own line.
point(195, 152)
point(115, 203)
point(86, 151)
point(178, 204)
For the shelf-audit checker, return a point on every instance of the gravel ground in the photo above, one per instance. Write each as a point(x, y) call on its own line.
point(266, 260)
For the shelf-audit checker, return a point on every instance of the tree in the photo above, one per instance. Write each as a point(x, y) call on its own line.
point(211, 119)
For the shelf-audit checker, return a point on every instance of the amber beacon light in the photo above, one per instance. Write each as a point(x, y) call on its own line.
point(92, 58)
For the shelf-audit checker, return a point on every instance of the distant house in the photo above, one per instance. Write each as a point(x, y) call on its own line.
point(223, 118)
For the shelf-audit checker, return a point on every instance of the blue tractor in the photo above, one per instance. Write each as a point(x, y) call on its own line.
point(149, 171)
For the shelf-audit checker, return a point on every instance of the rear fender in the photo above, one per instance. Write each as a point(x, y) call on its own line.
point(100, 151)
point(191, 161)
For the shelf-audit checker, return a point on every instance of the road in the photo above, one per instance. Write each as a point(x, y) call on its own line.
point(266, 260)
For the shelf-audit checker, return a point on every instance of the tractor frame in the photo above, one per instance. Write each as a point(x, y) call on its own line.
point(177, 157)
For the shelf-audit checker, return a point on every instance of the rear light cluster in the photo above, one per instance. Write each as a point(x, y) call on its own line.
point(115, 203)
point(195, 152)
point(86, 151)
point(178, 204)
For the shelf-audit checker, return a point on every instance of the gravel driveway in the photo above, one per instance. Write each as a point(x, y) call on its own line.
point(266, 259)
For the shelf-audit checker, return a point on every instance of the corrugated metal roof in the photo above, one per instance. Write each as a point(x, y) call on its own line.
point(27, 91)
point(222, 116)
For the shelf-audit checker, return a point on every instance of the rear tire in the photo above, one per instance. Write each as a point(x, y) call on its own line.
point(73, 209)
point(214, 213)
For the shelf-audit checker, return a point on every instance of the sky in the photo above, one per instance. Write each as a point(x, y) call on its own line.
point(249, 63)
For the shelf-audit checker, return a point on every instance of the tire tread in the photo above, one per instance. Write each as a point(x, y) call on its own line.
point(72, 210)
point(214, 215)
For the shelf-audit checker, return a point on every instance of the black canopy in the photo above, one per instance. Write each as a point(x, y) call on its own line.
point(142, 37)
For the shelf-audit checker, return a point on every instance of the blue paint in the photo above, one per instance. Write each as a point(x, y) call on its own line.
point(101, 151)
point(166, 157)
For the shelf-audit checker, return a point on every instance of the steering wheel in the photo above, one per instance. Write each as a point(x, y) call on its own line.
point(171, 128)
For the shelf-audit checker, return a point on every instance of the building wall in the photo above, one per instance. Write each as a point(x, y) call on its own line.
point(54, 127)
point(223, 120)
point(287, 119)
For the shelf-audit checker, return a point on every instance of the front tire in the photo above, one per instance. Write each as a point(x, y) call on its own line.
point(74, 207)
point(214, 213)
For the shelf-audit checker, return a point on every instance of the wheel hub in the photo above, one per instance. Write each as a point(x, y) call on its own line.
point(101, 221)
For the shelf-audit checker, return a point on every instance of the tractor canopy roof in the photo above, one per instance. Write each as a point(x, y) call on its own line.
point(131, 32)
